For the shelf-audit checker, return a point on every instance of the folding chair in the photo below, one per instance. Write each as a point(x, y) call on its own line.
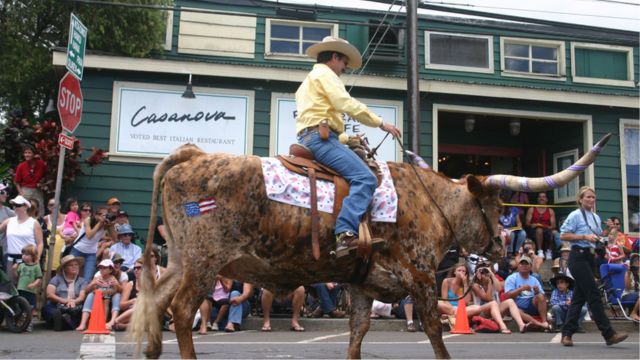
point(612, 287)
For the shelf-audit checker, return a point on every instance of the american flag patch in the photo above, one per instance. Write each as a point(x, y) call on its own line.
point(200, 207)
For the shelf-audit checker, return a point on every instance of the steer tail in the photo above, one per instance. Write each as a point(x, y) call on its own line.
point(154, 298)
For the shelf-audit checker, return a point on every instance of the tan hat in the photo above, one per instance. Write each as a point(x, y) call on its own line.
point(65, 260)
point(112, 201)
point(565, 247)
point(525, 259)
point(330, 43)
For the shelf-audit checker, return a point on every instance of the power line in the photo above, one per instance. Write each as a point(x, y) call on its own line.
point(616, 2)
point(528, 10)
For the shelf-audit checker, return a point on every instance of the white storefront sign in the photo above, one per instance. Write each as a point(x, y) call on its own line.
point(149, 121)
point(283, 125)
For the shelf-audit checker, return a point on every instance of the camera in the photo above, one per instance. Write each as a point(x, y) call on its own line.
point(484, 271)
point(111, 217)
point(601, 245)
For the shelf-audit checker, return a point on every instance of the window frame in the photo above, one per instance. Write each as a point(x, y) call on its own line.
point(168, 35)
point(575, 183)
point(427, 53)
point(296, 57)
point(625, 123)
point(630, 82)
point(560, 45)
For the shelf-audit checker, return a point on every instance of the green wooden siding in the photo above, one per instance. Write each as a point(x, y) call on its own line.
point(601, 64)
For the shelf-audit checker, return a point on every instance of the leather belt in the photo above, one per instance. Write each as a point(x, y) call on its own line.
point(582, 250)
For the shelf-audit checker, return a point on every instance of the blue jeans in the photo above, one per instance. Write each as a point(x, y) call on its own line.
point(362, 182)
point(89, 264)
point(328, 298)
point(88, 302)
point(517, 239)
point(560, 314)
point(240, 311)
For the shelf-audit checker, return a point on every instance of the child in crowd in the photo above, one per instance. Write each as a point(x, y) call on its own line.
point(72, 219)
point(107, 283)
point(615, 252)
point(219, 300)
point(561, 299)
point(29, 277)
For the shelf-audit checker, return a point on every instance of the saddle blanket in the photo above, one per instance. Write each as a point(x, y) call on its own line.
point(294, 189)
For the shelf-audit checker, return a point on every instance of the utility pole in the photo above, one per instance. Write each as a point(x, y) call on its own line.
point(413, 89)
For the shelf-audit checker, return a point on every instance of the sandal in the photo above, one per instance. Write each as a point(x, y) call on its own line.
point(297, 328)
point(266, 328)
point(524, 328)
point(505, 331)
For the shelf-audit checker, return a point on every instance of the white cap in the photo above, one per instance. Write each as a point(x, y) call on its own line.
point(20, 200)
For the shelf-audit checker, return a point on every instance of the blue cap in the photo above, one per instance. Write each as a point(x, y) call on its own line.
point(125, 229)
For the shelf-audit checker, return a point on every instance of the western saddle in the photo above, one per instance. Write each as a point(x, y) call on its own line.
point(301, 161)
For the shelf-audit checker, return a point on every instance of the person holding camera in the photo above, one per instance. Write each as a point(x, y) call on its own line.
point(583, 229)
point(529, 249)
point(86, 245)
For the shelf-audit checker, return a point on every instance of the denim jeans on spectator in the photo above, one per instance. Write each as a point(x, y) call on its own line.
point(115, 302)
point(400, 314)
point(89, 264)
point(517, 239)
point(560, 314)
point(362, 181)
point(328, 298)
point(50, 311)
point(240, 311)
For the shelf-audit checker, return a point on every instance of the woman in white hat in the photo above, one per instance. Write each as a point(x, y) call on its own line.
point(321, 101)
point(21, 230)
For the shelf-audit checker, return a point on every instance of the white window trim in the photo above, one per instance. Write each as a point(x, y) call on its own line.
point(427, 54)
point(525, 41)
point(297, 57)
point(575, 183)
point(168, 37)
point(625, 123)
point(630, 82)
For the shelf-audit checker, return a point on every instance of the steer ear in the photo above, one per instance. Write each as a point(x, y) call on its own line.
point(475, 186)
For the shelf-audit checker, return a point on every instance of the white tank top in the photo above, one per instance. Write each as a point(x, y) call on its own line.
point(20, 235)
point(89, 245)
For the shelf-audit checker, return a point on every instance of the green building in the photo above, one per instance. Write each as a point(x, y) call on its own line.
point(496, 96)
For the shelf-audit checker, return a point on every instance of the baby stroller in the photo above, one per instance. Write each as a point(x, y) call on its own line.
point(612, 287)
point(14, 309)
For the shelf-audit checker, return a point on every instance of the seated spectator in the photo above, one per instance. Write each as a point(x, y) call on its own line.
point(510, 221)
point(541, 223)
point(219, 298)
point(239, 307)
point(529, 250)
point(129, 251)
point(65, 294)
point(327, 294)
point(615, 253)
point(487, 288)
point(130, 292)
point(113, 206)
point(561, 264)
point(561, 299)
point(109, 285)
point(527, 292)
point(155, 258)
point(297, 300)
point(122, 217)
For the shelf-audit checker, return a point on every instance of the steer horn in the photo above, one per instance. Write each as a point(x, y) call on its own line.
point(520, 183)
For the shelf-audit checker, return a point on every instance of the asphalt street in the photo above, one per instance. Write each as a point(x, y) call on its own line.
point(43, 344)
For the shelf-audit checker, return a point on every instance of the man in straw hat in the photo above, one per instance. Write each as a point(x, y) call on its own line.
point(321, 100)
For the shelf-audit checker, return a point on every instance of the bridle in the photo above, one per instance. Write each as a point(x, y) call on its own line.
point(495, 240)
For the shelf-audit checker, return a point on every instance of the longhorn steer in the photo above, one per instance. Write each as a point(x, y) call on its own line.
point(253, 239)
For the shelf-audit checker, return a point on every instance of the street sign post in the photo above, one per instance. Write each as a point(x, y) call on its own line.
point(66, 141)
point(76, 46)
point(69, 102)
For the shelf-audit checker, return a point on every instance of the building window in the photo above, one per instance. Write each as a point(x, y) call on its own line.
point(290, 39)
point(530, 57)
point(460, 52)
point(602, 64)
point(561, 161)
point(630, 166)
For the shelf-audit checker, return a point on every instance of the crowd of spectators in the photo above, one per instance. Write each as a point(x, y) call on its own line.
point(531, 285)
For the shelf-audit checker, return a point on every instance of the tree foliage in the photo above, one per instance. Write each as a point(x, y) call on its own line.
point(31, 29)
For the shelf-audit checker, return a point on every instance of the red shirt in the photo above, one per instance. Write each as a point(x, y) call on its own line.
point(28, 175)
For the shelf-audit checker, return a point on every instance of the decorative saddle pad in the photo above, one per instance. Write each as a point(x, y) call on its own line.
point(293, 189)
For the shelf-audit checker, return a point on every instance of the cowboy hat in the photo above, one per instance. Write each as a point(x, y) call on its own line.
point(330, 43)
point(561, 276)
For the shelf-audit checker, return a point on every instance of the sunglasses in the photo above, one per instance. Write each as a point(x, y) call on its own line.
point(86, 209)
point(3, 192)
point(50, 205)
point(18, 205)
point(137, 268)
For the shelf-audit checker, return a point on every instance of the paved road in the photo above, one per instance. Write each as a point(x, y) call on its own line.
point(332, 345)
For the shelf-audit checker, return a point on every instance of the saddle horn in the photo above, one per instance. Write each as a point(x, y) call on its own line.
point(526, 184)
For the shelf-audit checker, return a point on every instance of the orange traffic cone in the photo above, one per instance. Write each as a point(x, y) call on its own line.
point(462, 320)
point(97, 322)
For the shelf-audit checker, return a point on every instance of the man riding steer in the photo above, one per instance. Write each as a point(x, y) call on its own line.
point(321, 100)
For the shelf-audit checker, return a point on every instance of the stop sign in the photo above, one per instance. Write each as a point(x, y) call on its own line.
point(69, 102)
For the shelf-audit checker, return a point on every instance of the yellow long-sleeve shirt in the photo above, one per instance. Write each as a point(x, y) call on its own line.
point(322, 95)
